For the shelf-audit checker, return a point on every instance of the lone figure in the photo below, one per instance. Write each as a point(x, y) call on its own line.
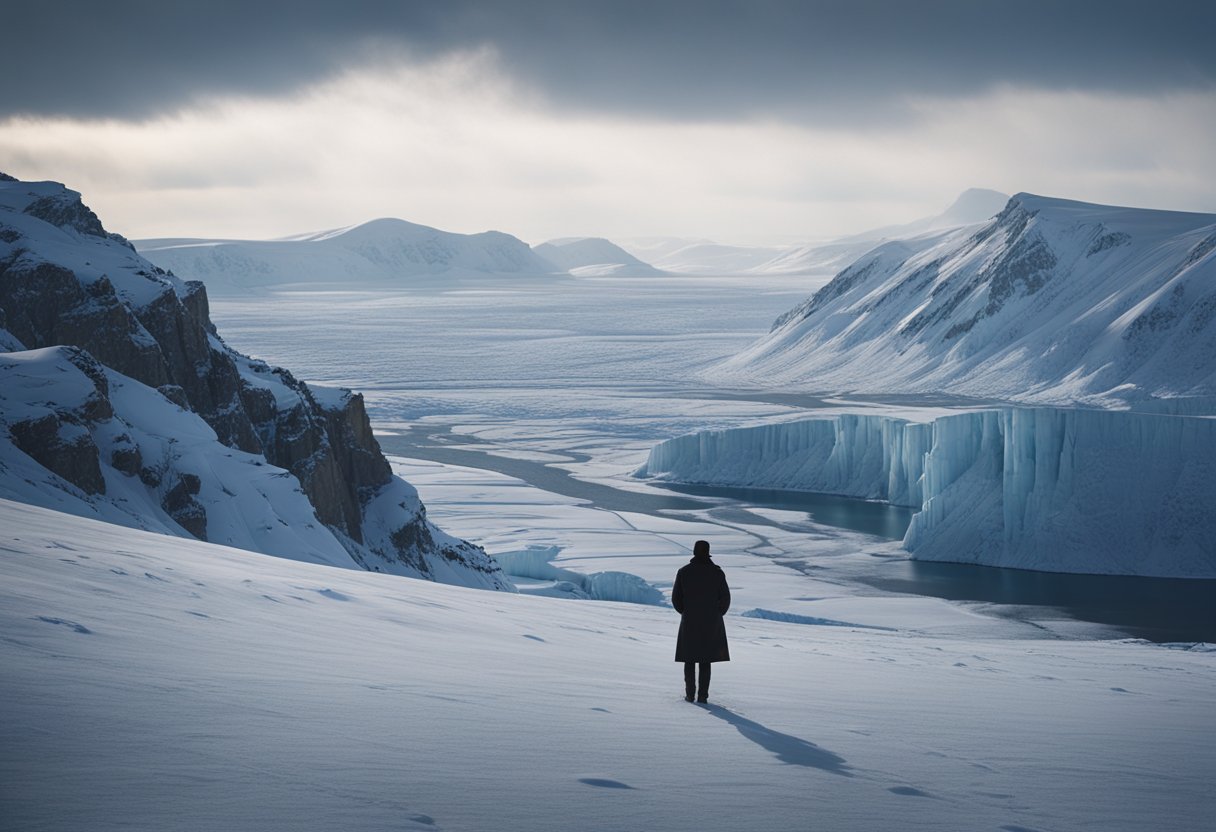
point(701, 597)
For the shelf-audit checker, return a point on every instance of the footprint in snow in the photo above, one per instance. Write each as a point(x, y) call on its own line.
point(604, 783)
point(534, 638)
point(908, 791)
point(602, 710)
point(333, 595)
point(75, 627)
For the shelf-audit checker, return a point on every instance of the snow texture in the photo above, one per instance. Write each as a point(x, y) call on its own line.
point(1058, 490)
point(536, 562)
point(162, 683)
point(1051, 302)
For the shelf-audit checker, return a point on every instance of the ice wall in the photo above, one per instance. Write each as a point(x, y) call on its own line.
point(1044, 488)
point(873, 457)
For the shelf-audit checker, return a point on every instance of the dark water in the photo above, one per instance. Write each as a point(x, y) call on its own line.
point(1158, 609)
point(878, 519)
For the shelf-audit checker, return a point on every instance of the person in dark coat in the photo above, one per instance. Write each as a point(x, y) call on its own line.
point(701, 597)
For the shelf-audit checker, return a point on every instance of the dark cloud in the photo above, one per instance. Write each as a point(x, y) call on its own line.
point(830, 61)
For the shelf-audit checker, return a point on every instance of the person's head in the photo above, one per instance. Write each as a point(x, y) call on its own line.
point(700, 549)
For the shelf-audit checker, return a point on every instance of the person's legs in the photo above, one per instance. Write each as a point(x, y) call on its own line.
point(690, 680)
point(703, 688)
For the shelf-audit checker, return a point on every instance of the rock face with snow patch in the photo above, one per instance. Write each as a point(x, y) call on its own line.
point(65, 281)
point(1052, 302)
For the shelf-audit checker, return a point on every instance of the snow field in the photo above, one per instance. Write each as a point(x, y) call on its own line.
point(154, 682)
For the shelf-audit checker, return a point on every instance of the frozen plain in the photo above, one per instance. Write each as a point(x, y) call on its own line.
point(392, 704)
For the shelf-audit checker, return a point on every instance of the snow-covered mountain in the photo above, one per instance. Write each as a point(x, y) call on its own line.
point(973, 206)
point(120, 401)
point(379, 250)
point(1051, 301)
point(593, 257)
point(703, 257)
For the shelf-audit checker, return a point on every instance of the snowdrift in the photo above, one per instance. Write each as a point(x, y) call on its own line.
point(1059, 490)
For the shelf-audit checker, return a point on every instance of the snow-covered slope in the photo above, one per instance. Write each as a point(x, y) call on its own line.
point(1089, 491)
point(376, 251)
point(130, 407)
point(684, 256)
point(593, 257)
point(974, 205)
point(1051, 301)
point(154, 683)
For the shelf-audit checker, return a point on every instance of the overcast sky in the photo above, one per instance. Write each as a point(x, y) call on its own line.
point(739, 121)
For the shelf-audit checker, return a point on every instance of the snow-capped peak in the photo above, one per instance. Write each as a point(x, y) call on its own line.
point(1052, 300)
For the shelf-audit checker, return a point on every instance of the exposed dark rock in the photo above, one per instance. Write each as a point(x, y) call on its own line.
point(149, 476)
point(127, 459)
point(66, 211)
point(186, 511)
point(1108, 240)
point(175, 394)
point(47, 305)
point(62, 447)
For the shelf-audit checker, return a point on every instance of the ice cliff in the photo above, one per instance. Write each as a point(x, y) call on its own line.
point(1060, 490)
point(120, 400)
point(1050, 302)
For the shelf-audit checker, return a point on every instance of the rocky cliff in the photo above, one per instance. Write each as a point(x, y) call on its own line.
point(64, 280)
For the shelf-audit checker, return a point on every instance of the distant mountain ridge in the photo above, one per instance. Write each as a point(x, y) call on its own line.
point(1051, 301)
point(593, 257)
point(120, 401)
point(705, 257)
point(381, 250)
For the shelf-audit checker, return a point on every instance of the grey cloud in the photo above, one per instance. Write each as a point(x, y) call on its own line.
point(827, 61)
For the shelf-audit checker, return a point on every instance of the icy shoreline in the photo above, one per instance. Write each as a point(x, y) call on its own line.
point(1050, 489)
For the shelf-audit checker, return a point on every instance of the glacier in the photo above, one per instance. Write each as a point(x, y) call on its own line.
point(1050, 489)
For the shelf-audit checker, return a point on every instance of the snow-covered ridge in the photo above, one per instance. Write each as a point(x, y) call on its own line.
point(593, 257)
point(1058, 490)
point(128, 406)
point(1053, 301)
point(705, 257)
point(380, 250)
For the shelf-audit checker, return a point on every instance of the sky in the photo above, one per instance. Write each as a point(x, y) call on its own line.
point(743, 122)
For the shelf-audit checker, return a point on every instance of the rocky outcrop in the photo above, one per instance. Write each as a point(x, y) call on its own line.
point(47, 305)
point(57, 436)
point(91, 290)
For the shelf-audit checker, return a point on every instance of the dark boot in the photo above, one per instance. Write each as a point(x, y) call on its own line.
point(703, 687)
point(690, 680)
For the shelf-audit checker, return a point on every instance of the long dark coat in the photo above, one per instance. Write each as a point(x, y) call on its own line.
point(701, 597)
